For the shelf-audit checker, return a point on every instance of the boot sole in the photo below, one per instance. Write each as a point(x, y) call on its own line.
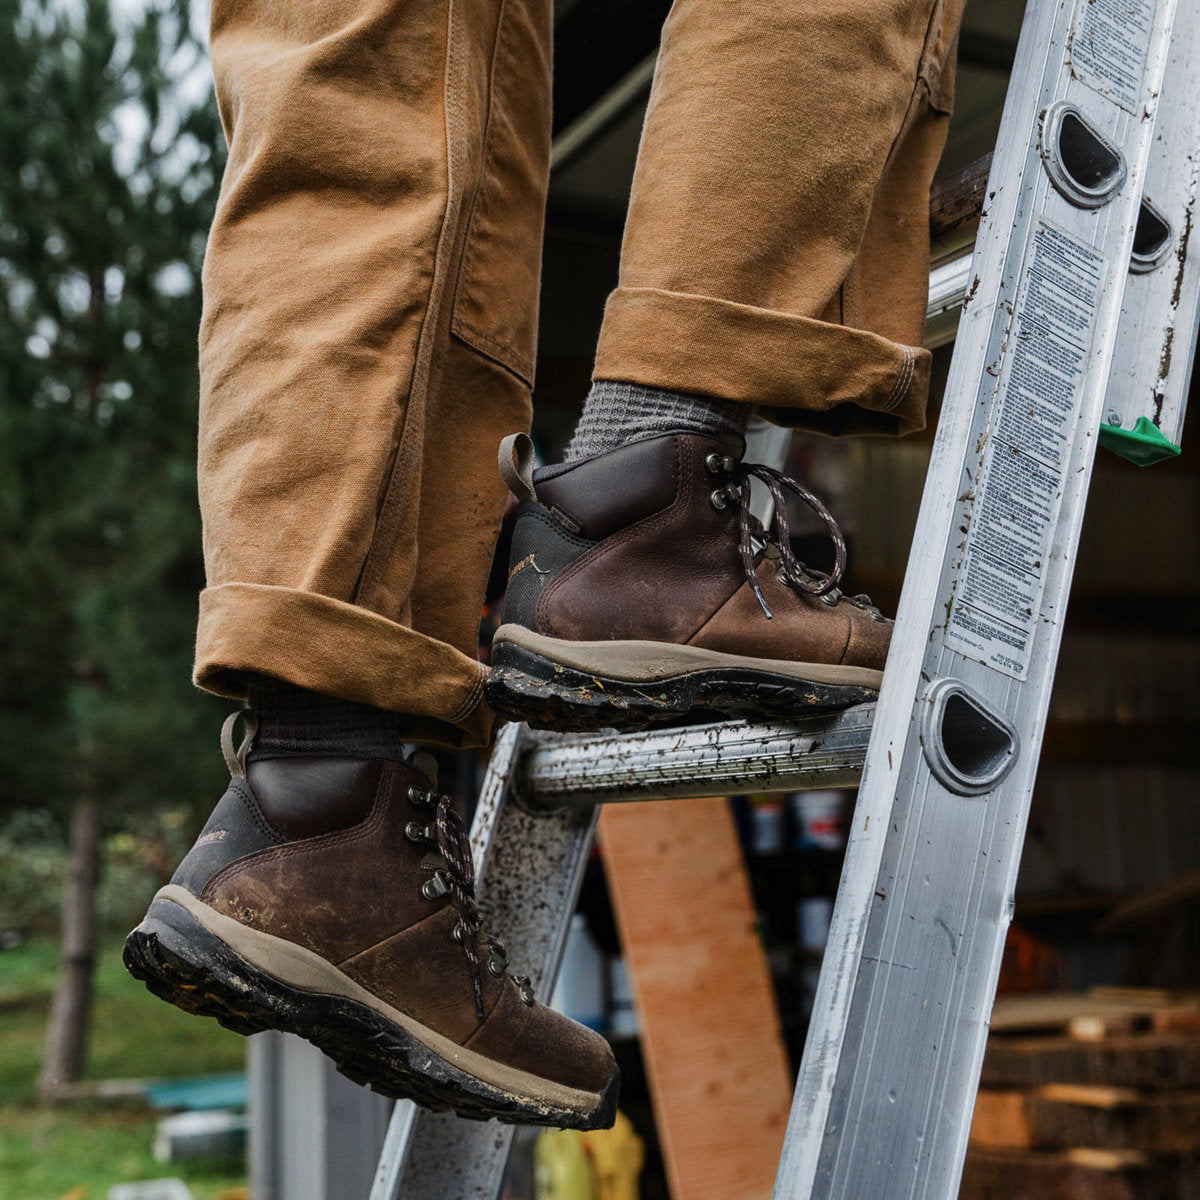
point(182, 952)
point(627, 685)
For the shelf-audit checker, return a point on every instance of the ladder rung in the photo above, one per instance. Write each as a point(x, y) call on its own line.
point(822, 751)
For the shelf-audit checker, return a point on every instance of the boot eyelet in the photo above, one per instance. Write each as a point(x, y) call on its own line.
point(831, 597)
point(727, 464)
point(496, 965)
point(522, 982)
point(733, 493)
point(435, 887)
point(418, 797)
point(876, 615)
point(458, 933)
point(719, 499)
point(415, 832)
point(714, 463)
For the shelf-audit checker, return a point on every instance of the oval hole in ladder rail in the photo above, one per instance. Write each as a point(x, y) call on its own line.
point(1082, 164)
point(969, 748)
point(1152, 239)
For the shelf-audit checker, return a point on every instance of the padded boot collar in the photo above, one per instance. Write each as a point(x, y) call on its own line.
point(597, 496)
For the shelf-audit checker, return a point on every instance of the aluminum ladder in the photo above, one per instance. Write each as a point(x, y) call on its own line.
point(1078, 325)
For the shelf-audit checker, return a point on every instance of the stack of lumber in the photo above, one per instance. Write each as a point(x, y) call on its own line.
point(1089, 1097)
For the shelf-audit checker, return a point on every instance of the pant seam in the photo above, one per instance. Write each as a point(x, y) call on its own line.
point(504, 354)
point(903, 380)
point(472, 698)
point(369, 577)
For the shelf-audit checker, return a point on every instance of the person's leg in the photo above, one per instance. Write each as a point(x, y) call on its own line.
point(775, 141)
point(775, 255)
point(370, 309)
point(370, 313)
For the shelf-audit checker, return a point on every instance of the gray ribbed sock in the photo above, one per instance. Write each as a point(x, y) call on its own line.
point(294, 721)
point(615, 413)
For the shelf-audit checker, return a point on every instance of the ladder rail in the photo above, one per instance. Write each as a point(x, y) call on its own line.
point(891, 1067)
point(1160, 320)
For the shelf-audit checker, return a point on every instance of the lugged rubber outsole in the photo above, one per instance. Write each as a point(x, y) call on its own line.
point(527, 686)
point(182, 962)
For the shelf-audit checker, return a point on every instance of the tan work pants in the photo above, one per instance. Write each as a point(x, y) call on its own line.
point(372, 281)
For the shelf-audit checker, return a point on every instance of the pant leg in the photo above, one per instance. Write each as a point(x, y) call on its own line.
point(776, 250)
point(368, 337)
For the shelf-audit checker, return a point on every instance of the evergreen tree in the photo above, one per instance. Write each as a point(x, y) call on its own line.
point(109, 174)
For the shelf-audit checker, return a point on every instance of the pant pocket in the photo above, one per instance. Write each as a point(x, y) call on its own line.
point(496, 297)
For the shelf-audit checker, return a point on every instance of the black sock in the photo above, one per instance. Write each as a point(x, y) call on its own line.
point(293, 721)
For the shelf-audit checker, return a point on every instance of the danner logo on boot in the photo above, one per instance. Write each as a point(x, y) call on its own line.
point(527, 561)
point(217, 835)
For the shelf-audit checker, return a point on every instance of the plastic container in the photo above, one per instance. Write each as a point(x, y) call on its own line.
point(766, 824)
point(819, 820)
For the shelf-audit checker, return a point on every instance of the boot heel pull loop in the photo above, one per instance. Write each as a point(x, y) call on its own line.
point(516, 465)
point(235, 760)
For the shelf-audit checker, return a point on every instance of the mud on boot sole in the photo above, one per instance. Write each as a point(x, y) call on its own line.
point(529, 686)
point(188, 965)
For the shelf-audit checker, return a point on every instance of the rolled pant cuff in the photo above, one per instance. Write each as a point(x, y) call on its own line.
point(341, 650)
point(812, 374)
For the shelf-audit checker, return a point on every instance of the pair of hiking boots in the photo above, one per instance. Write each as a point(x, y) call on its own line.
point(333, 897)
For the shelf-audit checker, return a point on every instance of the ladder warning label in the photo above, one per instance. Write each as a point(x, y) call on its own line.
point(995, 607)
point(1109, 47)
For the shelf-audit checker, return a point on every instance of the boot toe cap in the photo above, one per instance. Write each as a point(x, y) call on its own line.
point(869, 640)
point(545, 1043)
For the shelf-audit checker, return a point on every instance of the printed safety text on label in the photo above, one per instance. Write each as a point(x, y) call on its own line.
point(994, 611)
point(1109, 47)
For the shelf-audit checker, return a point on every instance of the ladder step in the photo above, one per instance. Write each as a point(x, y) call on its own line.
point(821, 751)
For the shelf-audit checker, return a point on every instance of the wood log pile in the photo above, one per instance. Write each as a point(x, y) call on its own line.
point(1089, 1097)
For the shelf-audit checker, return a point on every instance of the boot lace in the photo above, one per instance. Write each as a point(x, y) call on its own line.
point(449, 835)
point(750, 529)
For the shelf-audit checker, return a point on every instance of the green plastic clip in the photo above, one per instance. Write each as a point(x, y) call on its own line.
point(1144, 444)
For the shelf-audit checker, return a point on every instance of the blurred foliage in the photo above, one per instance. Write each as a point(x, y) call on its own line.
point(112, 152)
point(139, 857)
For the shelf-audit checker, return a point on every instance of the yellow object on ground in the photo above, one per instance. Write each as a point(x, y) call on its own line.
point(604, 1165)
point(618, 1155)
point(561, 1168)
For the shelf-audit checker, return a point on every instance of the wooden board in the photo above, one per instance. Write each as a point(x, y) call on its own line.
point(1029, 1175)
point(1149, 1060)
point(1098, 1013)
point(959, 199)
point(1108, 1119)
point(715, 1057)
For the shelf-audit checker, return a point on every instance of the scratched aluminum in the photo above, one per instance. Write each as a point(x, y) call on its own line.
point(887, 1085)
point(820, 751)
point(1160, 317)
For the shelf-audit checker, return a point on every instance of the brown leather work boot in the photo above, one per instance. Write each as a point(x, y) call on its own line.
point(641, 591)
point(333, 898)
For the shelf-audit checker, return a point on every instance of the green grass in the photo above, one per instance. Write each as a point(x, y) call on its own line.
point(48, 1150)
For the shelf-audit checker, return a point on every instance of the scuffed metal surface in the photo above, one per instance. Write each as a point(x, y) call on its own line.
point(698, 760)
